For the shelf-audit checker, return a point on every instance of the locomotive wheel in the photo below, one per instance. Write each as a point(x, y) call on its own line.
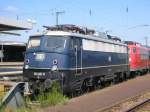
point(84, 88)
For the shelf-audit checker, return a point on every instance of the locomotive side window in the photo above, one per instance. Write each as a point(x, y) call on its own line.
point(71, 46)
point(134, 50)
point(77, 43)
point(33, 42)
point(90, 45)
point(103, 46)
point(117, 48)
point(144, 54)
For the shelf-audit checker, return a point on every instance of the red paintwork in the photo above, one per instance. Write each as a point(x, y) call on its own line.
point(137, 63)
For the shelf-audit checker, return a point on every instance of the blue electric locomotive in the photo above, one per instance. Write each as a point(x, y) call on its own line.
point(75, 58)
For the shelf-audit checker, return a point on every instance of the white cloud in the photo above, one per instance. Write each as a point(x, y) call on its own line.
point(11, 8)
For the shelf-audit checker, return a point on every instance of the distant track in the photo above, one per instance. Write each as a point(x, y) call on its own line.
point(138, 106)
point(11, 71)
point(130, 104)
point(2, 64)
point(11, 76)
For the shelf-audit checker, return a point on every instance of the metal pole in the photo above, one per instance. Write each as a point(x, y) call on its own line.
point(57, 18)
point(146, 41)
point(57, 15)
point(2, 49)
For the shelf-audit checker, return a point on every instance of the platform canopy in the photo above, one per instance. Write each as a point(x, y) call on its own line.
point(9, 25)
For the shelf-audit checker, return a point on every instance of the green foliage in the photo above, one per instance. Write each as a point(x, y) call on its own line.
point(24, 109)
point(53, 97)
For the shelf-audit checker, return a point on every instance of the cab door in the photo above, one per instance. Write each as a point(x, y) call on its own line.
point(76, 57)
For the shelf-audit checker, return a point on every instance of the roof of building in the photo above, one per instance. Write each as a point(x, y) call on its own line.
point(8, 24)
point(12, 43)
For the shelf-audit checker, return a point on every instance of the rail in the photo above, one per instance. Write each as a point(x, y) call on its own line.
point(11, 64)
point(11, 76)
point(11, 70)
point(133, 109)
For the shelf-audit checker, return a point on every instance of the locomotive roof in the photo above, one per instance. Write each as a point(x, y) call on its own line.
point(90, 37)
point(136, 44)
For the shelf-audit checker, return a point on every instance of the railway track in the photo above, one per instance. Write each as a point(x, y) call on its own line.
point(11, 76)
point(11, 71)
point(136, 103)
point(141, 106)
point(116, 98)
point(12, 64)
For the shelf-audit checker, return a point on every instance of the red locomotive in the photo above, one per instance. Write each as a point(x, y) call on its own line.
point(139, 57)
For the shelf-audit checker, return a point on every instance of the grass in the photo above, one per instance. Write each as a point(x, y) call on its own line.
point(51, 98)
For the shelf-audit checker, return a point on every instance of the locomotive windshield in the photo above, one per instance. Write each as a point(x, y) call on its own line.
point(55, 43)
point(33, 42)
point(48, 43)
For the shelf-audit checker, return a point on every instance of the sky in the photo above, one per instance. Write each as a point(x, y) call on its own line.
point(127, 19)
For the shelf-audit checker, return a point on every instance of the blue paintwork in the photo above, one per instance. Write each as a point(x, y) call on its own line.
point(48, 61)
point(67, 64)
point(67, 59)
point(93, 58)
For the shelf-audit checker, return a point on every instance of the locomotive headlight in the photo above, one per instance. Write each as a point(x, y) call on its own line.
point(26, 66)
point(54, 68)
point(130, 59)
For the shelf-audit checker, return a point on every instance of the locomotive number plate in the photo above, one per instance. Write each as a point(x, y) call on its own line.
point(39, 74)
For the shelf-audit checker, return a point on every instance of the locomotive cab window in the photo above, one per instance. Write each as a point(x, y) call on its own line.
point(33, 42)
point(134, 50)
point(55, 43)
point(71, 46)
point(75, 43)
